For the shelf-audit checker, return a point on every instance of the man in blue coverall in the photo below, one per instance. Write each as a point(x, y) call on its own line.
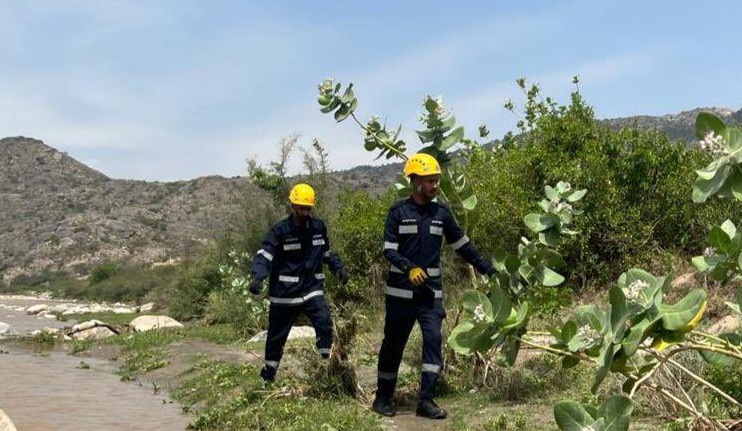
point(413, 235)
point(291, 258)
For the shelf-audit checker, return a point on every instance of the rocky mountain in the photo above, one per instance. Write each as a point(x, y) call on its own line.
point(679, 126)
point(58, 214)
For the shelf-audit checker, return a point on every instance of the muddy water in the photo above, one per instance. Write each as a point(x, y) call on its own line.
point(55, 391)
point(12, 312)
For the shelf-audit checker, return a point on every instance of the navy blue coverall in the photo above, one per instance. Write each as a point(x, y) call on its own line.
point(291, 257)
point(413, 236)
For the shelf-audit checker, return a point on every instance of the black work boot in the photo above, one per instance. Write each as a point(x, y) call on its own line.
point(429, 409)
point(268, 374)
point(383, 406)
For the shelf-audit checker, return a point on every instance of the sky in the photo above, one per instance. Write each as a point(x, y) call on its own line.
point(172, 90)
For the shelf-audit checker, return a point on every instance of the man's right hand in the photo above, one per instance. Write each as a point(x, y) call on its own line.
point(255, 286)
point(417, 276)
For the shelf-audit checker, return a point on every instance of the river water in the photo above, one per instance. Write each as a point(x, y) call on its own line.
point(60, 392)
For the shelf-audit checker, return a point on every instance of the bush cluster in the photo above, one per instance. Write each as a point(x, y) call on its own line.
point(638, 204)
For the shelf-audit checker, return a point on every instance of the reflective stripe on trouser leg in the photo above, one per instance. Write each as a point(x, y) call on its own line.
point(280, 320)
point(400, 319)
point(430, 320)
point(318, 313)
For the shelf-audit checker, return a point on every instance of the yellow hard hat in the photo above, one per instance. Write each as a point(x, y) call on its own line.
point(422, 164)
point(302, 194)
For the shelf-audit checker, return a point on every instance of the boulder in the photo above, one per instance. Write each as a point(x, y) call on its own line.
point(145, 307)
point(146, 323)
point(96, 333)
point(6, 329)
point(5, 423)
point(87, 325)
point(36, 309)
point(296, 332)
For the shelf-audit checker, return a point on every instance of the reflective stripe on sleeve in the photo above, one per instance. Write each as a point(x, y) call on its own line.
point(272, 364)
point(433, 272)
point(266, 255)
point(460, 243)
point(319, 241)
point(323, 351)
point(292, 246)
point(320, 276)
point(391, 245)
point(436, 230)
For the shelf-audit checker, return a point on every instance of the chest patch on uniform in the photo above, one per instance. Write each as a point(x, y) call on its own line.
point(318, 241)
point(407, 229)
point(292, 245)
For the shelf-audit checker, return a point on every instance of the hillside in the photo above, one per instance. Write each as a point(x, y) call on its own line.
point(58, 214)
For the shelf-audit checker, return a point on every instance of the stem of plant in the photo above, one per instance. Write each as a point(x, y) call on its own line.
point(705, 383)
point(390, 148)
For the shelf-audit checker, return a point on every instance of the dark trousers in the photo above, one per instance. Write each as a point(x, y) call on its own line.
point(280, 320)
point(401, 315)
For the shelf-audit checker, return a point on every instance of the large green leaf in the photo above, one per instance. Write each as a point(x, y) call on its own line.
point(634, 274)
point(469, 202)
point(709, 122)
point(576, 196)
point(735, 182)
point(548, 277)
point(729, 228)
point(735, 142)
point(540, 222)
point(605, 360)
point(635, 335)
point(720, 358)
point(468, 337)
point(677, 316)
point(616, 411)
point(519, 320)
point(550, 258)
point(703, 189)
point(452, 139)
point(459, 339)
point(720, 239)
point(549, 237)
point(571, 416)
point(501, 304)
point(510, 350)
point(473, 299)
point(619, 312)
point(591, 315)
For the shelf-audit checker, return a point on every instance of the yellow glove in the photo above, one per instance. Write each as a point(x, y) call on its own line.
point(417, 276)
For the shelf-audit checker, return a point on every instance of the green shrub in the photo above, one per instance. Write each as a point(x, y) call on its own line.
point(638, 202)
point(728, 378)
point(357, 232)
point(229, 307)
point(102, 272)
